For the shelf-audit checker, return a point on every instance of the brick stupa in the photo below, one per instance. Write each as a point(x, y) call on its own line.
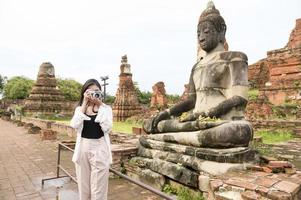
point(278, 76)
point(159, 98)
point(45, 98)
point(126, 102)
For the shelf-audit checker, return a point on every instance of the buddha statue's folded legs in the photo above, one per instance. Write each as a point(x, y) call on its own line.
point(219, 134)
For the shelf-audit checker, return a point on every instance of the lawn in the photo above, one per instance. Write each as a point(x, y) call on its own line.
point(274, 136)
point(120, 127)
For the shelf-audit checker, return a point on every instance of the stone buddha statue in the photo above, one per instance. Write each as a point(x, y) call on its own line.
point(213, 114)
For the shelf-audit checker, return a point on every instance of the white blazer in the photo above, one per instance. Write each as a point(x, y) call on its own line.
point(104, 118)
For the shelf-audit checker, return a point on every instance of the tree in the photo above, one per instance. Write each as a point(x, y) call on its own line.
point(70, 88)
point(109, 99)
point(18, 87)
point(173, 98)
point(2, 82)
point(143, 97)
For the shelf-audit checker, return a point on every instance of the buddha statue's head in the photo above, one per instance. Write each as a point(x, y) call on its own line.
point(211, 28)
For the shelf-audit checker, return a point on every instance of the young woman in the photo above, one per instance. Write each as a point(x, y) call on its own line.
point(92, 121)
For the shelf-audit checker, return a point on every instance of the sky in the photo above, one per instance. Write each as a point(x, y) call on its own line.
point(86, 38)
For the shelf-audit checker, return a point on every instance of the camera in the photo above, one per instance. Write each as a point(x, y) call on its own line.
point(96, 94)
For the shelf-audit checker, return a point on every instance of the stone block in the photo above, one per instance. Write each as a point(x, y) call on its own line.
point(262, 190)
point(241, 183)
point(287, 187)
point(278, 163)
point(215, 184)
point(34, 130)
point(204, 183)
point(266, 182)
point(47, 134)
point(278, 195)
point(228, 195)
point(250, 195)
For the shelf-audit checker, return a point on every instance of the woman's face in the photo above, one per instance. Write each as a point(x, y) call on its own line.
point(93, 88)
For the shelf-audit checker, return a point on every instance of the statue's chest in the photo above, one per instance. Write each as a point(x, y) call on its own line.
point(211, 75)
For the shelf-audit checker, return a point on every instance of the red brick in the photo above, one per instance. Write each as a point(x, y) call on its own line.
point(267, 170)
point(277, 195)
point(241, 183)
point(250, 195)
point(265, 181)
point(286, 186)
point(262, 190)
point(278, 163)
point(215, 184)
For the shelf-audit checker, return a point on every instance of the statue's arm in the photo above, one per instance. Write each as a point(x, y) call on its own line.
point(238, 86)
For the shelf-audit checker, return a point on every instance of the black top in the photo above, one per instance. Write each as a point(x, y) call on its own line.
point(91, 129)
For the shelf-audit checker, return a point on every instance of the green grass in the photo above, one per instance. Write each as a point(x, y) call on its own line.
point(274, 136)
point(253, 94)
point(124, 127)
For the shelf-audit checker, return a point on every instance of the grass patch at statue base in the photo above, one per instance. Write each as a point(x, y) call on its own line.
point(274, 136)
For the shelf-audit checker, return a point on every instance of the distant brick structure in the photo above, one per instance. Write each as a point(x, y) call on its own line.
point(278, 76)
point(126, 103)
point(45, 98)
point(159, 99)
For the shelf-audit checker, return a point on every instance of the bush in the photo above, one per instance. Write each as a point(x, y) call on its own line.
point(18, 87)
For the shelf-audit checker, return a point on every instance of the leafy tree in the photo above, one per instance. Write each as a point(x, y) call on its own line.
point(173, 98)
point(109, 99)
point(18, 87)
point(2, 82)
point(143, 97)
point(70, 88)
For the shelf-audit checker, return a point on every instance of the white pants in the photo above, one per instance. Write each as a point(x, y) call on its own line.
point(93, 171)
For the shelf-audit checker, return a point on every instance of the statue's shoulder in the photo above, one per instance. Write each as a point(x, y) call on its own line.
point(233, 56)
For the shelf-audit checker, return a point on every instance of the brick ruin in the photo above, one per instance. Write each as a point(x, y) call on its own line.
point(45, 98)
point(278, 76)
point(126, 102)
point(159, 99)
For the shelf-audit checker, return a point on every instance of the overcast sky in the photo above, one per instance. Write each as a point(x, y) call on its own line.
point(86, 38)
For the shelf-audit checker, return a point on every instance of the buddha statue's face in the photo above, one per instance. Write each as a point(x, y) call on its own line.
point(208, 36)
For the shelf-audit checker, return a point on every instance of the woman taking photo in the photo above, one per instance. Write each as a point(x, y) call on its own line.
point(92, 121)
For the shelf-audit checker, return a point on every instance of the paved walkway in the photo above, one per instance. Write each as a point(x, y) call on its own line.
point(25, 160)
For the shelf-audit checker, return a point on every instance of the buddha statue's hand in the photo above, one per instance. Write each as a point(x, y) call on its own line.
point(161, 116)
point(189, 116)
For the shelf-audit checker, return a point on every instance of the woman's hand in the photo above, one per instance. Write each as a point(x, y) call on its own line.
point(87, 97)
point(96, 101)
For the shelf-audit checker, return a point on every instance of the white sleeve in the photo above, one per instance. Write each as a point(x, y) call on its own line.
point(78, 118)
point(105, 118)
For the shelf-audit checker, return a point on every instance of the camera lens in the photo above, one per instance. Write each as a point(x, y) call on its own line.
point(96, 95)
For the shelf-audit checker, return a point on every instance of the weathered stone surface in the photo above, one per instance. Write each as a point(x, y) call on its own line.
point(159, 98)
point(45, 98)
point(231, 155)
point(171, 170)
point(126, 102)
point(250, 195)
point(215, 184)
point(34, 130)
point(266, 182)
point(243, 184)
point(228, 195)
point(192, 162)
point(48, 134)
point(204, 183)
point(288, 187)
point(278, 195)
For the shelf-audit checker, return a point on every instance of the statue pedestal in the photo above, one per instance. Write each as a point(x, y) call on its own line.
point(184, 164)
